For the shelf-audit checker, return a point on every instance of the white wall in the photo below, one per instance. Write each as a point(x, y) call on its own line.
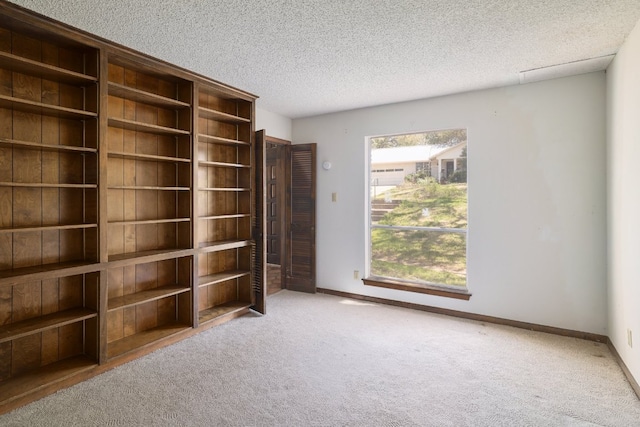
point(623, 143)
point(275, 125)
point(537, 242)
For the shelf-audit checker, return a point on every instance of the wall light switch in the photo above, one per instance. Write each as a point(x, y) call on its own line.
point(334, 197)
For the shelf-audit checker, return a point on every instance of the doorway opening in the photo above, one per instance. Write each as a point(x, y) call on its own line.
point(275, 199)
point(286, 185)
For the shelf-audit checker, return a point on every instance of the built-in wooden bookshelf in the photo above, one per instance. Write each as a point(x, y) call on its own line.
point(149, 161)
point(224, 162)
point(147, 302)
point(125, 204)
point(49, 278)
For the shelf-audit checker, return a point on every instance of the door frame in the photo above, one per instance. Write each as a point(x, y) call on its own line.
point(286, 197)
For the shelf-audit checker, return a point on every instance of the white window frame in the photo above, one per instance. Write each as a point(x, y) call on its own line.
point(368, 225)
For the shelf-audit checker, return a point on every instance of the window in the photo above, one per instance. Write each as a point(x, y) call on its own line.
point(418, 225)
point(423, 167)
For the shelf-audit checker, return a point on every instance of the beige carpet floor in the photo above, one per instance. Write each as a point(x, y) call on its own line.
point(319, 360)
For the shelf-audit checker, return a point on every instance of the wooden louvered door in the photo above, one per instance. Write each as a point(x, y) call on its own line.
point(301, 225)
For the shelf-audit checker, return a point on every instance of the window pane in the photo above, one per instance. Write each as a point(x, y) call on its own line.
point(418, 255)
point(418, 196)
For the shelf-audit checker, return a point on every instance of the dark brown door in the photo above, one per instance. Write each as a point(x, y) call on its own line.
point(301, 226)
point(257, 248)
point(274, 188)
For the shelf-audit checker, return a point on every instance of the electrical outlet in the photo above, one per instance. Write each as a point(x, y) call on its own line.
point(356, 274)
point(630, 338)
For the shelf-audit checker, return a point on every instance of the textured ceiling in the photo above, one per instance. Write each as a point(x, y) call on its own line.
point(307, 57)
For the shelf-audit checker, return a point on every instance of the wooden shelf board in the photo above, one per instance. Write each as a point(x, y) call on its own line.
point(142, 297)
point(27, 327)
point(44, 109)
point(38, 69)
point(47, 228)
point(32, 381)
point(121, 260)
point(43, 185)
point(231, 216)
point(224, 189)
point(149, 157)
point(138, 95)
point(46, 271)
point(219, 140)
point(213, 279)
point(13, 143)
point(151, 221)
point(225, 94)
point(208, 113)
point(143, 339)
point(147, 187)
point(149, 69)
point(223, 165)
point(222, 310)
point(145, 127)
point(223, 245)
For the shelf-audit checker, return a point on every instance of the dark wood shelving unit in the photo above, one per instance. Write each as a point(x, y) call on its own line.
point(146, 300)
point(224, 160)
point(126, 185)
point(49, 264)
point(150, 207)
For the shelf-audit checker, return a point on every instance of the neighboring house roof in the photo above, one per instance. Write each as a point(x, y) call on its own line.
point(415, 153)
point(446, 150)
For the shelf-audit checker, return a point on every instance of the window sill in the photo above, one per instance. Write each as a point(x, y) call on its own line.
point(418, 287)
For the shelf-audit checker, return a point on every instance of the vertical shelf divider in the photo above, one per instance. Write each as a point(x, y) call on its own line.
point(103, 175)
point(195, 206)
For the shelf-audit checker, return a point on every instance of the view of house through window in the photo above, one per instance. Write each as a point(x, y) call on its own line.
point(418, 215)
